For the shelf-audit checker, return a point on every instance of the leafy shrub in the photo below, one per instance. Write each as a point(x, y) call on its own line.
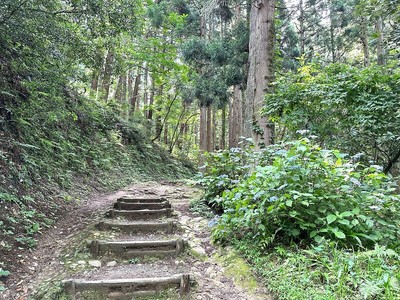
point(310, 194)
point(223, 170)
point(346, 107)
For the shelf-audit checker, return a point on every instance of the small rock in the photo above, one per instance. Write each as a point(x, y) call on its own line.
point(112, 263)
point(210, 271)
point(198, 252)
point(184, 220)
point(95, 263)
point(179, 263)
point(81, 262)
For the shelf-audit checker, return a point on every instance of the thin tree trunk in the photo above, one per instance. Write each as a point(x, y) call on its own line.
point(203, 133)
point(236, 117)
point(166, 133)
point(118, 91)
point(135, 94)
point(379, 47)
point(130, 90)
point(94, 83)
point(209, 129)
point(302, 30)
point(138, 78)
point(175, 136)
point(158, 115)
point(108, 68)
point(145, 91)
point(151, 100)
point(230, 124)
point(332, 32)
point(222, 143)
point(261, 73)
point(364, 41)
point(124, 88)
point(214, 129)
point(160, 128)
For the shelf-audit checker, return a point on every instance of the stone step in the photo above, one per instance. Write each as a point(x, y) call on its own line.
point(132, 249)
point(133, 227)
point(141, 214)
point(122, 205)
point(127, 288)
point(134, 199)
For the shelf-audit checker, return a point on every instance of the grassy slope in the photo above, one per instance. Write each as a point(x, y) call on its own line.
point(60, 148)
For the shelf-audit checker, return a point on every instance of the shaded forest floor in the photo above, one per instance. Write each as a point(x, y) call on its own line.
point(62, 250)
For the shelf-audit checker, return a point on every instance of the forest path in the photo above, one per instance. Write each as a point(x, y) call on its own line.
point(63, 252)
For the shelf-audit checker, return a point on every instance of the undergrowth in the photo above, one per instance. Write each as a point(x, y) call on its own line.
point(315, 223)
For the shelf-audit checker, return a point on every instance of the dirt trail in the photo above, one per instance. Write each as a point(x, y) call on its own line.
point(208, 267)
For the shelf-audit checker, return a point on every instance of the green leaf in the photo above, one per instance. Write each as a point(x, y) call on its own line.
point(289, 203)
point(344, 222)
point(339, 234)
point(346, 214)
point(318, 239)
point(331, 218)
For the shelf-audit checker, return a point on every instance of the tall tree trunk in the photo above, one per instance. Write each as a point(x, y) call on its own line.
point(94, 85)
point(209, 129)
point(135, 94)
point(138, 79)
point(118, 91)
point(364, 41)
point(151, 100)
point(124, 88)
point(145, 91)
point(332, 32)
point(379, 47)
point(214, 129)
point(302, 30)
point(203, 133)
point(130, 90)
point(166, 133)
point(158, 114)
point(236, 117)
point(108, 68)
point(222, 144)
point(261, 73)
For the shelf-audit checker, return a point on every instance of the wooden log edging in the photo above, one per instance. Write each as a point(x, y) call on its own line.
point(143, 213)
point(132, 249)
point(133, 199)
point(167, 227)
point(122, 205)
point(134, 285)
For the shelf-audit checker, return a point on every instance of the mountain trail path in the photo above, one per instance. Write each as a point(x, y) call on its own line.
point(141, 242)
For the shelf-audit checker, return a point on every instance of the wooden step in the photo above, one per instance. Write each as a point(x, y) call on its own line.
point(132, 249)
point(140, 214)
point(167, 227)
point(122, 205)
point(129, 287)
point(134, 199)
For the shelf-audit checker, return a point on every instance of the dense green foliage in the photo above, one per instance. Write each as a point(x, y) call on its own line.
point(325, 272)
point(300, 192)
point(295, 207)
point(348, 108)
